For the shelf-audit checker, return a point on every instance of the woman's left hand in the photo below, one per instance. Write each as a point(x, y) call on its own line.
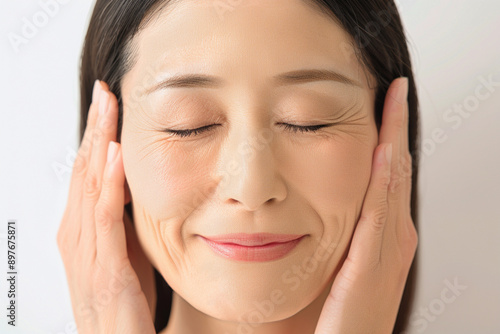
point(367, 291)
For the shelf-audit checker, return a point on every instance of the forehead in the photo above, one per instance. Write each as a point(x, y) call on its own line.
point(251, 39)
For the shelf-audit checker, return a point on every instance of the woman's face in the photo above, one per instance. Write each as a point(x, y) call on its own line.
point(249, 172)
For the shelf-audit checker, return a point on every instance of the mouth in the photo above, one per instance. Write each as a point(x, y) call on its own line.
point(257, 247)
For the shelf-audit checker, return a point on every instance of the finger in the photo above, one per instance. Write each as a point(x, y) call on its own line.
point(110, 230)
point(83, 155)
point(406, 182)
point(367, 239)
point(392, 124)
point(405, 148)
point(407, 159)
point(73, 207)
point(401, 186)
point(104, 133)
point(391, 132)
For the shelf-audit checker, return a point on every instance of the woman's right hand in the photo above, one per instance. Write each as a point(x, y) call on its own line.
point(97, 243)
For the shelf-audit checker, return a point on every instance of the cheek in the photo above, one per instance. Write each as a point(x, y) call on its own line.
point(169, 181)
point(332, 173)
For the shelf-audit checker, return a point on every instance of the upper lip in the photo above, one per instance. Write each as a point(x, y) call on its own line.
point(253, 239)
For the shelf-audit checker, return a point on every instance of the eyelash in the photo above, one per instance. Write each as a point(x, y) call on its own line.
point(189, 132)
point(290, 127)
point(303, 128)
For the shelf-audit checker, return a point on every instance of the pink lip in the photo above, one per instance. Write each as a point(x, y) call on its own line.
point(256, 247)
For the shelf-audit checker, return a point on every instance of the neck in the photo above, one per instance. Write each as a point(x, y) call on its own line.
point(185, 319)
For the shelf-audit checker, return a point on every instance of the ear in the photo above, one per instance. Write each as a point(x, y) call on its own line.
point(128, 196)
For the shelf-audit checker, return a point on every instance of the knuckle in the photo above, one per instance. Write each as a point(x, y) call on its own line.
point(395, 181)
point(384, 180)
point(406, 165)
point(376, 219)
point(61, 239)
point(80, 164)
point(62, 232)
point(408, 158)
point(85, 144)
point(91, 185)
point(412, 234)
point(107, 125)
point(63, 244)
point(107, 183)
point(409, 244)
point(103, 218)
point(97, 136)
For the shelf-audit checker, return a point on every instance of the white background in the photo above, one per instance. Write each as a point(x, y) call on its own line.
point(454, 43)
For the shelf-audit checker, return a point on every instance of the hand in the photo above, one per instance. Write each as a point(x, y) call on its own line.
point(367, 291)
point(97, 242)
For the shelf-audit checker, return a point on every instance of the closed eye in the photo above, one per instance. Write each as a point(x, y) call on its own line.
point(289, 127)
point(303, 128)
point(190, 132)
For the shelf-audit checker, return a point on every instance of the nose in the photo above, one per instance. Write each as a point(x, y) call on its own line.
point(250, 176)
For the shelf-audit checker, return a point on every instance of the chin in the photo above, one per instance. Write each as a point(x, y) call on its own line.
point(252, 302)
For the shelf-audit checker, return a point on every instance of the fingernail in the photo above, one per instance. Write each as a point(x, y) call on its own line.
point(103, 102)
point(112, 151)
point(95, 91)
point(402, 93)
point(388, 153)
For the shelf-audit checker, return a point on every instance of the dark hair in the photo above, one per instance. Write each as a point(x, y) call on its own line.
point(380, 42)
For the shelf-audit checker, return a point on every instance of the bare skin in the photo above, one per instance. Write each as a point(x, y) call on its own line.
point(360, 203)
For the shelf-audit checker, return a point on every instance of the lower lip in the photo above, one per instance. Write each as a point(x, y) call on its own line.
point(269, 252)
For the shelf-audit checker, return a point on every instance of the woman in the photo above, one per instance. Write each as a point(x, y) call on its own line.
point(262, 152)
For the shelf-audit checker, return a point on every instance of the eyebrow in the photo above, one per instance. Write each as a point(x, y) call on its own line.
point(283, 79)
